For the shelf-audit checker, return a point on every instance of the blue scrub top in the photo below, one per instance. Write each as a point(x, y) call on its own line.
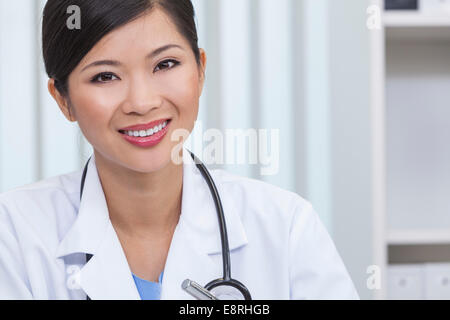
point(148, 290)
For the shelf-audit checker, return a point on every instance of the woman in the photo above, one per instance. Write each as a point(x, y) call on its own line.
point(131, 77)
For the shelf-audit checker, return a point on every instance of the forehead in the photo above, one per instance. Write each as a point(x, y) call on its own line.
point(150, 31)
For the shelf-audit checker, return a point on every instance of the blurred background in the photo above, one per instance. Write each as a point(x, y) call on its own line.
point(359, 90)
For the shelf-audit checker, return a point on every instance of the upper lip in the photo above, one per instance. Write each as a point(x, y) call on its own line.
point(150, 125)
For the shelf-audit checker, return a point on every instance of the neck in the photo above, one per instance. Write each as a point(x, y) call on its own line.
point(141, 203)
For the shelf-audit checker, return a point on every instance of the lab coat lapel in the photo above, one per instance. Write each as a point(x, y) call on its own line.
point(107, 275)
point(197, 236)
point(186, 261)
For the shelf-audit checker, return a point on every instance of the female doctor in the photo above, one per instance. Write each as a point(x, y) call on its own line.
point(147, 227)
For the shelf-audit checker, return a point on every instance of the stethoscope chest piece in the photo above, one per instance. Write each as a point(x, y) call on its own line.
point(228, 290)
point(217, 290)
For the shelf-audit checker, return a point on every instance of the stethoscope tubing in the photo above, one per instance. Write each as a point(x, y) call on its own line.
point(220, 215)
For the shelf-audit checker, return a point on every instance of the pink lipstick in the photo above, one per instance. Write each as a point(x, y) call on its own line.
point(146, 135)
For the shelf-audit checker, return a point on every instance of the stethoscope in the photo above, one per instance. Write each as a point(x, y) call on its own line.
point(222, 288)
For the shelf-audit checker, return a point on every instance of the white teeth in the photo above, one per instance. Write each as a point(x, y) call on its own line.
point(149, 132)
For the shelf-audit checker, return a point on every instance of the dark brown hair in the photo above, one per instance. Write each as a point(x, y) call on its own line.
point(63, 48)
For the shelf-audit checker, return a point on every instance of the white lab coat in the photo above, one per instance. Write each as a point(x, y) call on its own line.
point(279, 247)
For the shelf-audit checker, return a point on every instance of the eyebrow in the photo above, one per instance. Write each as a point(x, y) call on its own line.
point(149, 56)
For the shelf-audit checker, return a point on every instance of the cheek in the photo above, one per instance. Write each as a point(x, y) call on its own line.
point(94, 109)
point(183, 91)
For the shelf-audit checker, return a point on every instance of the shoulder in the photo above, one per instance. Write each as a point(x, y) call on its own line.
point(261, 199)
point(286, 225)
point(41, 206)
point(47, 190)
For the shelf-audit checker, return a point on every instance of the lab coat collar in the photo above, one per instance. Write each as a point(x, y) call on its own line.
point(92, 221)
point(199, 211)
point(108, 276)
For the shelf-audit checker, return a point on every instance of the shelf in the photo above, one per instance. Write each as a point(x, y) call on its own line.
point(415, 19)
point(411, 237)
point(418, 34)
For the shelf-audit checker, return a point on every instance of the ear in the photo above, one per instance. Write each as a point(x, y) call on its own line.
point(203, 62)
point(60, 100)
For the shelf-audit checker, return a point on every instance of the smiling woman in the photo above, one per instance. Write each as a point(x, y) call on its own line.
point(135, 223)
point(130, 76)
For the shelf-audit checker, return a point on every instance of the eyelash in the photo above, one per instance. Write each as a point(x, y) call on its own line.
point(95, 79)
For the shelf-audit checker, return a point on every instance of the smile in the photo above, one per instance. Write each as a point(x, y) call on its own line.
point(145, 138)
point(145, 133)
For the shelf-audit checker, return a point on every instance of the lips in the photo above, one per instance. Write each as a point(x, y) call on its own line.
point(148, 141)
point(146, 126)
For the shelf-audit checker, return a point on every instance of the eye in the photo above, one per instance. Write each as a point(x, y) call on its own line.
point(167, 64)
point(104, 76)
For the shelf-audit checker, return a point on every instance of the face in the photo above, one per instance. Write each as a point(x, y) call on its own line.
point(138, 89)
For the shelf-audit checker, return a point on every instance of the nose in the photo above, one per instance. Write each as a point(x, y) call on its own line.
point(143, 95)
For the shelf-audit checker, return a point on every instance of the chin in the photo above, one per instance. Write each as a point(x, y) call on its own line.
point(148, 164)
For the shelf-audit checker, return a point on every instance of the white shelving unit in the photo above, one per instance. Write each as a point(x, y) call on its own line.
point(411, 126)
